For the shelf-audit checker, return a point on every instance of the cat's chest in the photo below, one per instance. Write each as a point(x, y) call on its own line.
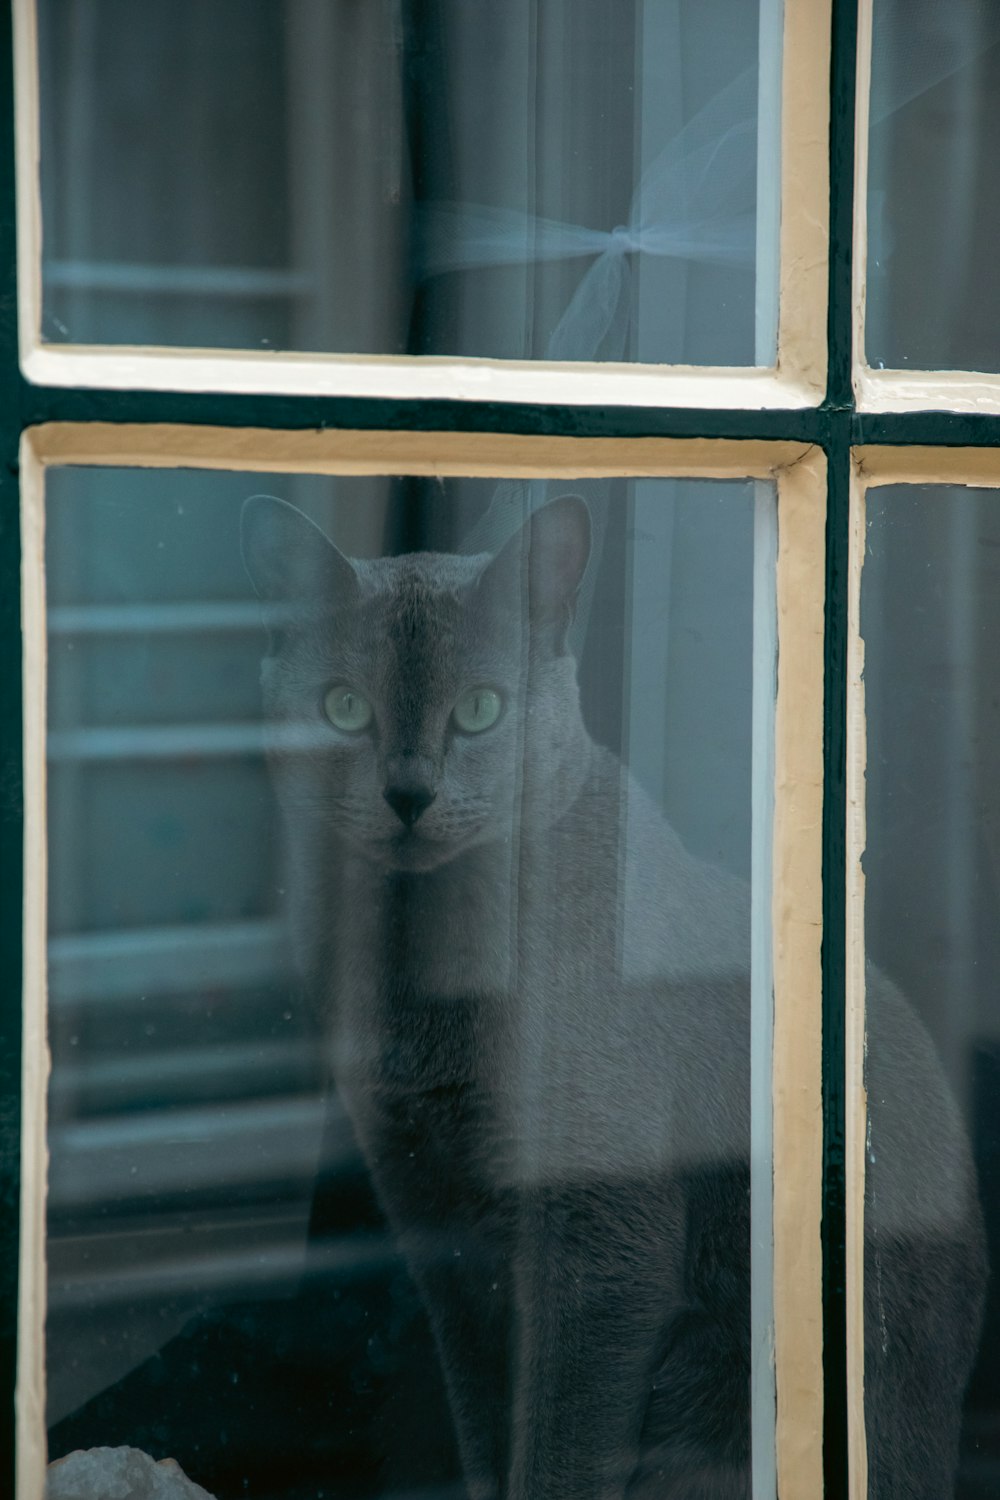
point(496, 923)
point(426, 1079)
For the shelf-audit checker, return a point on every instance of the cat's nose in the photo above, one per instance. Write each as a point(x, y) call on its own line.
point(409, 800)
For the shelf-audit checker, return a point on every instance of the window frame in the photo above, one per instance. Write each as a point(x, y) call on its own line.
point(873, 465)
point(897, 390)
point(796, 379)
point(91, 406)
point(793, 1074)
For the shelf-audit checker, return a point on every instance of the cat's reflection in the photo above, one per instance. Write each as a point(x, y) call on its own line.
point(536, 1009)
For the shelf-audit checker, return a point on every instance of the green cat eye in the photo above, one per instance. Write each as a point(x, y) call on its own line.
point(347, 709)
point(476, 710)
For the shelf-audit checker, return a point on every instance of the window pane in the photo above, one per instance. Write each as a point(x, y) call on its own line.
point(933, 209)
point(564, 179)
point(930, 623)
point(399, 1110)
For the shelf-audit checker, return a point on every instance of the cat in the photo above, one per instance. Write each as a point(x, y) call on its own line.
point(535, 1005)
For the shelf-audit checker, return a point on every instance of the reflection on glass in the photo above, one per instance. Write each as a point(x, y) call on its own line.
point(399, 1104)
point(563, 179)
point(930, 622)
point(933, 211)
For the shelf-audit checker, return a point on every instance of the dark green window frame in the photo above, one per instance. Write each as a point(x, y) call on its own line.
point(835, 425)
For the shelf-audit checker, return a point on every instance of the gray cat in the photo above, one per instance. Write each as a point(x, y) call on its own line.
point(536, 1005)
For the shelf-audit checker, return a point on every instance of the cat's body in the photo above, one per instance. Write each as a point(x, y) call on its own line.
point(537, 1009)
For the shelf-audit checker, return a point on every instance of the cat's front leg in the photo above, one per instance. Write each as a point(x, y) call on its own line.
point(456, 1236)
point(596, 1272)
point(469, 1310)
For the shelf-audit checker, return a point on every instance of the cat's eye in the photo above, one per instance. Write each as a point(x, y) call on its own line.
point(476, 710)
point(347, 709)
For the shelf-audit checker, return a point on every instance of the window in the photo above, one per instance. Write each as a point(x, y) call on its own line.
point(684, 418)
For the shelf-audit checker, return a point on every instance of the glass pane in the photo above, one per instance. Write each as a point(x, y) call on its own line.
point(930, 621)
point(933, 209)
point(399, 1110)
point(563, 179)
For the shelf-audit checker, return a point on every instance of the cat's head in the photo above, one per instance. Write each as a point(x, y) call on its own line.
point(424, 704)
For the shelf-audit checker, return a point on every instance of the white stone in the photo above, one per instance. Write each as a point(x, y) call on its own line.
point(119, 1474)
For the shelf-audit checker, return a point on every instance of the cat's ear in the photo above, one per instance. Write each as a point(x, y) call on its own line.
point(290, 561)
point(551, 549)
